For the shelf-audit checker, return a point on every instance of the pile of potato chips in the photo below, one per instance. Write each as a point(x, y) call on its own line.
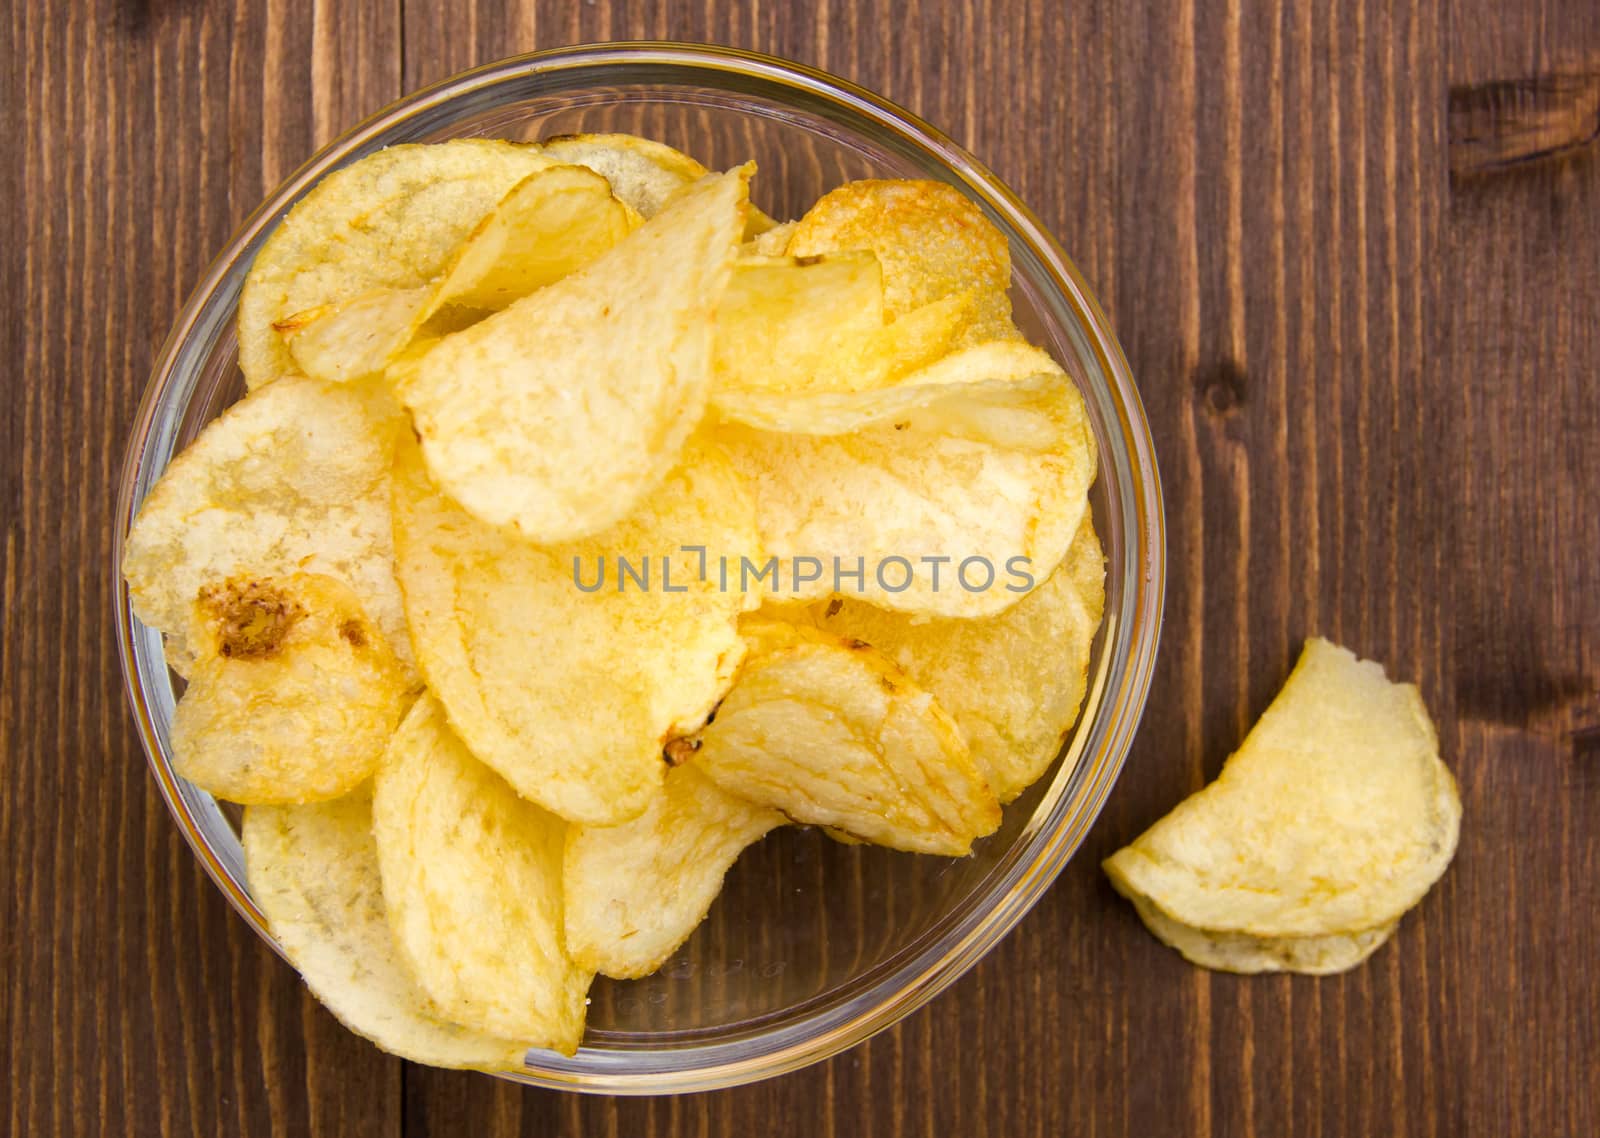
point(1332, 819)
point(450, 586)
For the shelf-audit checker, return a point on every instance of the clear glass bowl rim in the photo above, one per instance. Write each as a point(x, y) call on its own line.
point(1118, 688)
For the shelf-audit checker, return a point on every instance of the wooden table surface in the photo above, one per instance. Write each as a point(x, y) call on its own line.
point(1353, 252)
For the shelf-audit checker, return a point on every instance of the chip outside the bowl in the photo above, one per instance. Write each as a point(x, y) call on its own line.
point(1334, 817)
point(1247, 955)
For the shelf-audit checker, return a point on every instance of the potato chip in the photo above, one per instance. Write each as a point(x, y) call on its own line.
point(954, 505)
point(558, 668)
point(833, 734)
point(1012, 682)
point(294, 478)
point(559, 414)
point(644, 173)
point(984, 392)
point(550, 224)
point(635, 892)
point(293, 695)
point(1241, 952)
point(1334, 815)
point(392, 220)
point(801, 326)
point(355, 338)
point(770, 242)
point(931, 239)
point(472, 884)
point(313, 870)
point(788, 325)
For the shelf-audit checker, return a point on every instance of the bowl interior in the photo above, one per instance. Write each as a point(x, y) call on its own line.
point(809, 934)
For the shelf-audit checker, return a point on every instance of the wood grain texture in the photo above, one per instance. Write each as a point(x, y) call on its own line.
point(1375, 398)
point(138, 135)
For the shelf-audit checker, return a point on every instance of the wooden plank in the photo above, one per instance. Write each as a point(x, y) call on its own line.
point(131, 999)
point(1373, 390)
point(1521, 351)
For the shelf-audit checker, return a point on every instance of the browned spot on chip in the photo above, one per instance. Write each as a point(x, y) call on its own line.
point(679, 750)
point(834, 606)
point(888, 684)
point(806, 262)
point(856, 645)
point(352, 631)
point(252, 617)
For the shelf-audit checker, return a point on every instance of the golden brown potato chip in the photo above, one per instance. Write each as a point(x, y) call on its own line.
point(550, 224)
point(954, 503)
point(294, 478)
point(635, 892)
point(565, 681)
point(644, 173)
point(558, 415)
point(293, 695)
point(988, 392)
point(357, 337)
point(771, 242)
point(788, 325)
point(931, 239)
point(801, 326)
point(1241, 952)
point(1013, 682)
point(392, 220)
point(1334, 815)
point(472, 884)
point(831, 733)
point(313, 870)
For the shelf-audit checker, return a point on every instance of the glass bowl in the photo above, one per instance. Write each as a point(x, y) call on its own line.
point(813, 945)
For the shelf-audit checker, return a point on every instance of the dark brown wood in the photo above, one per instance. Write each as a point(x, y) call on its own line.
point(1375, 397)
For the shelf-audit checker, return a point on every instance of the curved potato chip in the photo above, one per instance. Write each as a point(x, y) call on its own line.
point(313, 870)
point(1012, 682)
point(357, 337)
point(472, 884)
point(643, 172)
point(984, 481)
point(980, 392)
point(1243, 953)
point(551, 223)
point(770, 242)
point(635, 892)
point(789, 325)
point(931, 239)
point(294, 477)
point(560, 672)
point(1335, 814)
point(293, 695)
point(559, 414)
point(831, 733)
point(392, 221)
